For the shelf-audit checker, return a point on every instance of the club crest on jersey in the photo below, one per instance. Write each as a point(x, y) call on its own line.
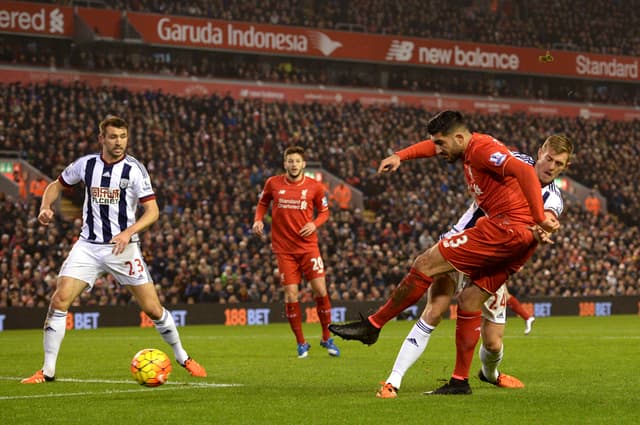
point(124, 183)
point(498, 158)
point(303, 194)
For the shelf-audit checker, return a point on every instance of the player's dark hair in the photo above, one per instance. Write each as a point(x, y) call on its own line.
point(112, 121)
point(445, 122)
point(294, 149)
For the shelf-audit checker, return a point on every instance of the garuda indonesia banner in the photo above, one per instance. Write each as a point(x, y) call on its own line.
point(282, 40)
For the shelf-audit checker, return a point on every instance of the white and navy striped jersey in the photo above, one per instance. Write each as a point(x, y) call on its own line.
point(112, 194)
point(551, 196)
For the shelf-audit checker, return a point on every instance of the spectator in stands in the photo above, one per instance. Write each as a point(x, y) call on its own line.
point(37, 186)
point(592, 203)
point(341, 196)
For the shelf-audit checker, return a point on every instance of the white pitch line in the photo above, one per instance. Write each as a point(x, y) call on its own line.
point(169, 386)
point(118, 381)
point(85, 393)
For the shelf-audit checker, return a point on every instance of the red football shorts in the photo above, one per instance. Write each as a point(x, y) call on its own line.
point(293, 267)
point(490, 251)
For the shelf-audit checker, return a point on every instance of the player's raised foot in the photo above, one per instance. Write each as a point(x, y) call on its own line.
point(362, 330)
point(194, 368)
point(453, 387)
point(503, 381)
point(331, 347)
point(37, 378)
point(528, 325)
point(387, 391)
point(303, 350)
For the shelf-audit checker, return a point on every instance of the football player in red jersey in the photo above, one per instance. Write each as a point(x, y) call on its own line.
point(294, 240)
point(553, 158)
point(506, 189)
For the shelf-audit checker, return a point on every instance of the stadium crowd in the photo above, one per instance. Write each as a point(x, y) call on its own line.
point(209, 156)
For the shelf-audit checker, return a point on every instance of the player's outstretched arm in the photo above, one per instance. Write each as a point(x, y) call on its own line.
point(423, 149)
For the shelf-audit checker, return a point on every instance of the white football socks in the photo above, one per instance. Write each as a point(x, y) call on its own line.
point(55, 327)
point(166, 326)
point(411, 350)
point(490, 362)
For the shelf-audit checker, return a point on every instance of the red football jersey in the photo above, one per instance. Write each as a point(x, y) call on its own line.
point(293, 207)
point(495, 193)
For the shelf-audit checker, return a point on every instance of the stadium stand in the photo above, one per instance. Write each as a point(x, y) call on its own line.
point(202, 250)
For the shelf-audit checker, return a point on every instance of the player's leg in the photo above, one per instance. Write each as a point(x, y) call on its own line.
point(55, 326)
point(130, 269)
point(78, 272)
point(323, 309)
point(148, 300)
point(491, 354)
point(291, 276)
point(494, 318)
point(468, 323)
point(412, 287)
point(313, 271)
point(491, 350)
point(439, 299)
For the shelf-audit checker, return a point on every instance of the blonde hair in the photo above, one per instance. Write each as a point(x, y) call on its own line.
point(559, 143)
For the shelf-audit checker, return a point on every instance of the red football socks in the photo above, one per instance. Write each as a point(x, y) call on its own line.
point(408, 292)
point(323, 307)
point(294, 316)
point(467, 335)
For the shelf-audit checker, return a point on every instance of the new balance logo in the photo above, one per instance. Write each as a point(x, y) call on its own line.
point(322, 42)
point(413, 341)
point(56, 21)
point(400, 51)
point(282, 191)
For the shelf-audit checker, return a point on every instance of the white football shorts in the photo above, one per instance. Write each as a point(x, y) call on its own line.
point(495, 308)
point(86, 261)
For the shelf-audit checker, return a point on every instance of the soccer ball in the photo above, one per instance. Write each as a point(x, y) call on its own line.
point(150, 367)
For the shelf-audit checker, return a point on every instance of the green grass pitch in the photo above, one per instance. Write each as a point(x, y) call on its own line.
point(576, 371)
